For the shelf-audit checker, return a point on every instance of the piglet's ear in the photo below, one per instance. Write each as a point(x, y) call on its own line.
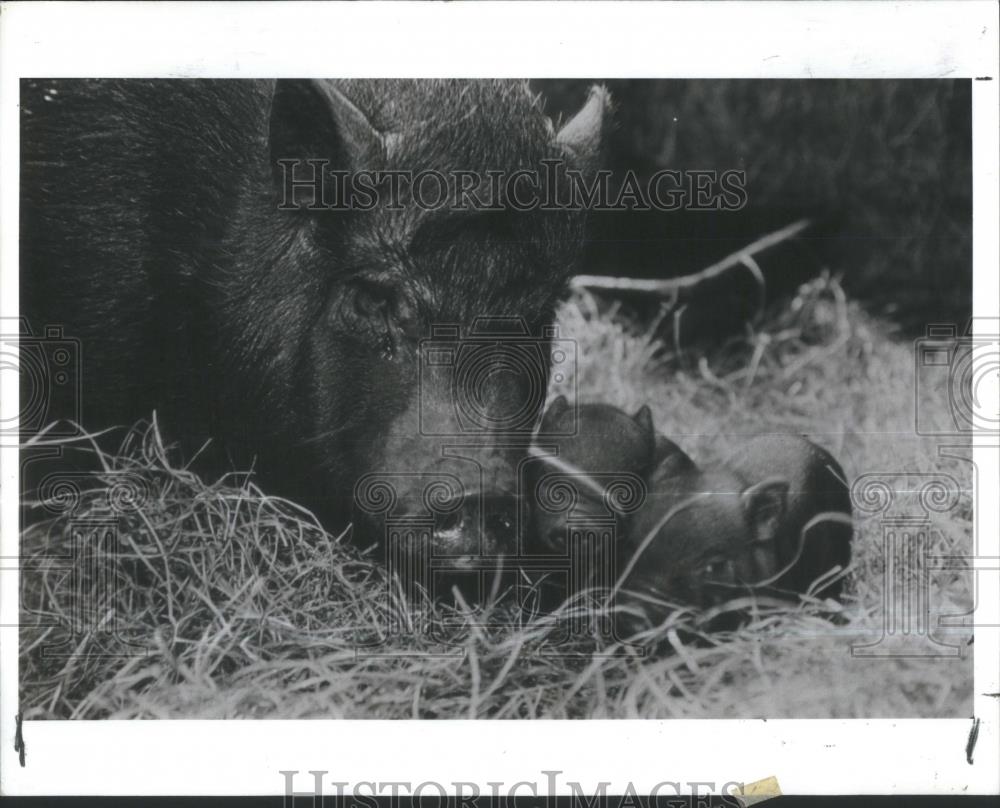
point(644, 418)
point(550, 421)
point(669, 459)
point(765, 505)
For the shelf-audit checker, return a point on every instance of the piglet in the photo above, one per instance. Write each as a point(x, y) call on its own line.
point(775, 517)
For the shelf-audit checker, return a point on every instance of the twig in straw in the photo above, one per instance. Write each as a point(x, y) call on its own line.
point(673, 288)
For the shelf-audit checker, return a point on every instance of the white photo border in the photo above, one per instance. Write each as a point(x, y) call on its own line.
point(540, 39)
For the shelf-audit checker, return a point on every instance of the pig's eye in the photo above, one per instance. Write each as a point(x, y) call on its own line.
point(370, 306)
point(449, 522)
point(719, 569)
point(500, 523)
point(372, 300)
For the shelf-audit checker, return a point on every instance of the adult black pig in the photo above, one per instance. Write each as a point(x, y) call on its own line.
point(156, 226)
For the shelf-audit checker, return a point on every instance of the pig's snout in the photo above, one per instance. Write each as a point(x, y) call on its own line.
point(459, 520)
point(472, 524)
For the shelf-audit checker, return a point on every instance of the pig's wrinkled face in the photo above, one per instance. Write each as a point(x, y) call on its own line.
point(441, 340)
point(418, 353)
point(404, 368)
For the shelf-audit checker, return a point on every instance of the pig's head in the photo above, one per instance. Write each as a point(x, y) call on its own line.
point(600, 437)
point(409, 339)
point(587, 448)
point(703, 538)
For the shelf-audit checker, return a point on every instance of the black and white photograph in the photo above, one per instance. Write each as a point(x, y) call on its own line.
point(639, 397)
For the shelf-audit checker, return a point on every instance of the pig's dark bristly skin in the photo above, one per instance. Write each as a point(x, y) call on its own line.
point(817, 484)
point(605, 441)
point(735, 528)
point(150, 229)
point(596, 441)
point(702, 536)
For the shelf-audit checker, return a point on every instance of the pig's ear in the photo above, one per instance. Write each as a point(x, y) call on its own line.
point(669, 459)
point(644, 418)
point(580, 137)
point(765, 505)
point(552, 415)
point(312, 118)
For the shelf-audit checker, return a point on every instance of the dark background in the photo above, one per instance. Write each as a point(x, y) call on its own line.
point(884, 167)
